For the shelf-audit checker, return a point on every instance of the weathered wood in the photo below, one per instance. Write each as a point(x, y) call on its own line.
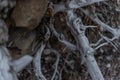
point(8, 67)
point(37, 58)
point(114, 31)
point(72, 4)
point(78, 30)
point(37, 63)
point(6, 72)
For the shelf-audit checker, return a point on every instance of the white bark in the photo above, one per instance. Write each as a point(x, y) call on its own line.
point(37, 63)
point(56, 63)
point(20, 64)
point(6, 72)
point(8, 68)
point(37, 58)
point(72, 4)
point(114, 31)
point(78, 31)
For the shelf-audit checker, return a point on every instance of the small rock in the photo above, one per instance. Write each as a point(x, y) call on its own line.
point(114, 50)
point(28, 13)
point(101, 50)
point(109, 58)
point(108, 65)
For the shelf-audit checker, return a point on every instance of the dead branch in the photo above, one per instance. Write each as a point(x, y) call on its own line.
point(78, 30)
point(9, 67)
point(37, 58)
point(6, 73)
point(72, 4)
point(37, 63)
point(20, 64)
point(56, 63)
point(93, 17)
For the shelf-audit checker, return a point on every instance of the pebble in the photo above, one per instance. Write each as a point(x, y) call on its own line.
point(108, 65)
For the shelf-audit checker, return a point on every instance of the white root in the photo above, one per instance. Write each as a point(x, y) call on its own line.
point(37, 63)
point(78, 31)
point(114, 31)
point(9, 68)
point(20, 64)
point(37, 58)
point(56, 63)
point(6, 73)
point(72, 4)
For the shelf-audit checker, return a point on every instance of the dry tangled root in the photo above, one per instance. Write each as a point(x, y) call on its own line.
point(69, 35)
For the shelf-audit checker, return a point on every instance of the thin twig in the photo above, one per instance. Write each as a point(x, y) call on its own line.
point(56, 63)
point(37, 63)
